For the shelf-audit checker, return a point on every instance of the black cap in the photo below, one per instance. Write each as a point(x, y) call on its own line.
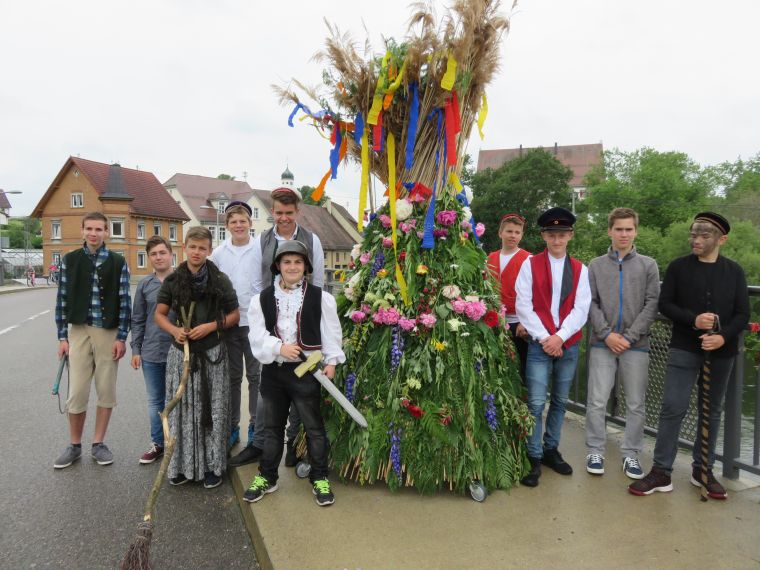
point(239, 203)
point(714, 219)
point(291, 246)
point(556, 219)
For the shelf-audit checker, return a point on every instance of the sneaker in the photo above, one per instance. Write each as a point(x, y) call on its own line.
point(322, 491)
point(632, 468)
point(656, 480)
point(714, 489)
point(69, 456)
point(595, 463)
point(553, 459)
point(531, 479)
point(234, 436)
point(211, 480)
point(250, 454)
point(291, 456)
point(154, 452)
point(259, 487)
point(101, 454)
point(180, 479)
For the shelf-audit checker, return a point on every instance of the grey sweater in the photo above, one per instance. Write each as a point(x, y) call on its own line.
point(624, 295)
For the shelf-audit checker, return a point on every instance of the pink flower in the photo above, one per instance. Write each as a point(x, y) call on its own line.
point(385, 220)
point(365, 257)
point(420, 235)
point(358, 316)
point(446, 217)
point(480, 229)
point(450, 291)
point(442, 233)
point(412, 223)
point(427, 320)
point(406, 324)
point(390, 316)
point(404, 227)
point(459, 305)
point(387, 242)
point(465, 225)
point(475, 310)
point(377, 318)
point(365, 308)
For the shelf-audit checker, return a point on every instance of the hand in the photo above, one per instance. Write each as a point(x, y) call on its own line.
point(329, 370)
point(290, 351)
point(521, 332)
point(705, 321)
point(63, 348)
point(135, 361)
point(201, 331)
point(180, 335)
point(552, 345)
point(119, 349)
point(712, 341)
point(617, 343)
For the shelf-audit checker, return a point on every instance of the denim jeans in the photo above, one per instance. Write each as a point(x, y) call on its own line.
point(279, 387)
point(239, 354)
point(684, 368)
point(155, 388)
point(539, 370)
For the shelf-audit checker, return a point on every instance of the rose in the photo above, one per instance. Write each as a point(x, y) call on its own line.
point(387, 242)
point(480, 229)
point(406, 324)
point(403, 209)
point(356, 251)
point(475, 310)
point(365, 257)
point(385, 221)
point(450, 291)
point(358, 316)
point(458, 305)
point(416, 411)
point(427, 320)
point(491, 319)
point(446, 217)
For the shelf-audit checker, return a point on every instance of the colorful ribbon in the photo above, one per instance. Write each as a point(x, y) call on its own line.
point(448, 79)
point(391, 146)
point(462, 197)
point(414, 115)
point(358, 128)
point(428, 239)
point(364, 182)
point(377, 101)
point(335, 152)
point(482, 114)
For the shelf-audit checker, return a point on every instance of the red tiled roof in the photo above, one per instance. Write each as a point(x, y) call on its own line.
point(580, 158)
point(197, 190)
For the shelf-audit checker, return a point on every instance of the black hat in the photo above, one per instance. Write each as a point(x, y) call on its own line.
point(291, 246)
point(556, 219)
point(714, 219)
point(239, 203)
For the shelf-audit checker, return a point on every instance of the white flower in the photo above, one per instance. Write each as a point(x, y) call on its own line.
point(467, 213)
point(454, 324)
point(349, 293)
point(354, 279)
point(450, 291)
point(356, 251)
point(472, 298)
point(403, 209)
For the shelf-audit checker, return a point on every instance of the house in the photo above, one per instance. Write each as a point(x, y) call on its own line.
point(580, 158)
point(5, 208)
point(134, 201)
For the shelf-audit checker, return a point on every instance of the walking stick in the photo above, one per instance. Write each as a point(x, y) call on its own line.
point(705, 424)
point(138, 555)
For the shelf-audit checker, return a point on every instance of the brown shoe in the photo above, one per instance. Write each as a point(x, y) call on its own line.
point(656, 480)
point(714, 489)
point(154, 452)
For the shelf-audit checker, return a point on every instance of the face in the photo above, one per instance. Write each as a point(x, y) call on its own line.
point(292, 268)
point(94, 233)
point(704, 239)
point(160, 257)
point(197, 250)
point(556, 241)
point(510, 235)
point(285, 216)
point(622, 233)
point(239, 225)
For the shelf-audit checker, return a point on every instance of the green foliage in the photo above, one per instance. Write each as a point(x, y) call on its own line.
point(225, 177)
point(307, 199)
point(527, 185)
point(19, 230)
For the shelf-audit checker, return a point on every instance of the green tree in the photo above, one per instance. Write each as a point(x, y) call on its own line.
point(225, 177)
point(307, 199)
point(740, 182)
point(18, 229)
point(527, 185)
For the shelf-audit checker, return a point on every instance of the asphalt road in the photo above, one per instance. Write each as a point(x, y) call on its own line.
point(85, 516)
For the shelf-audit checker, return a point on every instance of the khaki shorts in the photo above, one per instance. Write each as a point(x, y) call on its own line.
point(90, 356)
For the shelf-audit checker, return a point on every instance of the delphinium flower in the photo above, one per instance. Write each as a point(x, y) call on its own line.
point(379, 262)
point(478, 366)
point(395, 449)
point(493, 423)
point(397, 348)
point(350, 380)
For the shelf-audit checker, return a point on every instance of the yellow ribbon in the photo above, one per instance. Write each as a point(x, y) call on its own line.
point(377, 102)
point(454, 181)
point(482, 114)
point(390, 146)
point(365, 180)
point(448, 79)
point(391, 91)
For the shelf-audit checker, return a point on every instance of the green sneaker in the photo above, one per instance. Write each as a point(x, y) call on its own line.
point(322, 491)
point(259, 487)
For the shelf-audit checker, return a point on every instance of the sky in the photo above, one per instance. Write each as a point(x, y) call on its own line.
point(184, 85)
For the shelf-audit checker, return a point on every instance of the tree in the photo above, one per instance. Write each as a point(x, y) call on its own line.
point(18, 229)
point(526, 185)
point(225, 177)
point(307, 199)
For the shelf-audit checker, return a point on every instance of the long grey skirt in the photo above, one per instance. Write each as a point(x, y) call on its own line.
point(199, 449)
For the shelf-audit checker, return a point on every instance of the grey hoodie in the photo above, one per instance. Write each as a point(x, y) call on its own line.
point(624, 295)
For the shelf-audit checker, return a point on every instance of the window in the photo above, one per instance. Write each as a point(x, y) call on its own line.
point(173, 232)
point(157, 229)
point(222, 233)
point(140, 230)
point(56, 258)
point(77, 200)
point(252, 232)
point(174, 260)
point(55, 229)
point(212, 229)
point(255, 213)
point(117, 228)
point(220, 206)
point(140, 259)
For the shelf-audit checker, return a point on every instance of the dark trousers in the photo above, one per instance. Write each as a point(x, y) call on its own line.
point(239, 354)
point(522, 349)
point(279, 387)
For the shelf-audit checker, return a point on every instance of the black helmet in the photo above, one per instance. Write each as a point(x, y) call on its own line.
point(291, 246)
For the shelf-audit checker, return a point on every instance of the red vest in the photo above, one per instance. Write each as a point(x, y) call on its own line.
point(507, 277)
point(542, 294)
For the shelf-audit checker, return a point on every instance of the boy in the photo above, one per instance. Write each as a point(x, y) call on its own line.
point(150, 344)
point(286, 319)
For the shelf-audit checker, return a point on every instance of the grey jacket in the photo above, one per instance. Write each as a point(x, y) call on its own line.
point(624, 295)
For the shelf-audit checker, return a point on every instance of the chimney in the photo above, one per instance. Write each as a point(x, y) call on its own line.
point(521, 150)
point(328, 205)
point(555, 149)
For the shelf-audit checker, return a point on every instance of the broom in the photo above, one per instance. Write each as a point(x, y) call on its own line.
point(138, 555)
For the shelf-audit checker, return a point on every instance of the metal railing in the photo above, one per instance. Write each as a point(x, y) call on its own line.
point(736, 427)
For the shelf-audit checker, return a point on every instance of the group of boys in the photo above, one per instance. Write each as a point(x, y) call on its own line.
point(548, 298)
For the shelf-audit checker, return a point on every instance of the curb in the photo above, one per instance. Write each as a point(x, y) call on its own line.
point(262, 556)
point(20, 289)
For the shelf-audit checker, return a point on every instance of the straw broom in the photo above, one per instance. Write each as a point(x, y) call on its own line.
point(138, 554)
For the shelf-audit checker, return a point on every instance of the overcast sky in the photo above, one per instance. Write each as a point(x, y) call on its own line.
point(183, 86)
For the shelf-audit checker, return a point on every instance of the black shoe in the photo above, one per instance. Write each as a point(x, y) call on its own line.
point(211, 480)
point(180, 479)
point(250, 454)
point(531, 479)
point(291, 457)
point(553, 459)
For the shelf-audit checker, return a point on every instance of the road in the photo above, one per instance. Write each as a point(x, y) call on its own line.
point(85, 516)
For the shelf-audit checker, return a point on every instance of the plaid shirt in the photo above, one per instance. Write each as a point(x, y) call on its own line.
point(95, 313)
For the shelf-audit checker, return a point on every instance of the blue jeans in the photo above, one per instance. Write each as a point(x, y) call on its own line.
point(538, 371)
point(155, 388)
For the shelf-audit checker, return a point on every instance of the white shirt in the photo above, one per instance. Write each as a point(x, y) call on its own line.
point(266, 347)
point(317, 261)
point(528, 317)
point(237, 262)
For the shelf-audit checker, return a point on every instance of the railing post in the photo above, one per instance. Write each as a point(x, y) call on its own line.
point(732, 430)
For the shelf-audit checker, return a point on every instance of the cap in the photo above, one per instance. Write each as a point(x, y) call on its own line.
point(714, 219)
point(512, 217)
point(239, 203)
point(556, 219)
point(291, 246)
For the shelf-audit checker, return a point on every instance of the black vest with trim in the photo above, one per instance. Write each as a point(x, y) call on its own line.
point(80, 271)
point(308, 333)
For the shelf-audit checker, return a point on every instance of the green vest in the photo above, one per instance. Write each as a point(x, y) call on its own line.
point(79, 275)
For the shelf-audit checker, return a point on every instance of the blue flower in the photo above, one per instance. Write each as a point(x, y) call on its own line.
point(490, 413)
point(350, 379)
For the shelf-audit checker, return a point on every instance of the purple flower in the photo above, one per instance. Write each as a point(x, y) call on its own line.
point(446, 217)
point(379, 262)
point(397, 348)
point(350, 380)
point(493, 423)
point(395, 449)
point(478, 366)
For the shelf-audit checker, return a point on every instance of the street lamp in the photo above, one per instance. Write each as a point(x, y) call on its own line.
point(2, 263)
point(216, 231)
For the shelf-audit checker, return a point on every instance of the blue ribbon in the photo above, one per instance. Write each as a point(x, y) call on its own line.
point(428, 240)
point(414, 113)
point(306, 110)
point(335, 153)
point(462, 197)
point(358, 128)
